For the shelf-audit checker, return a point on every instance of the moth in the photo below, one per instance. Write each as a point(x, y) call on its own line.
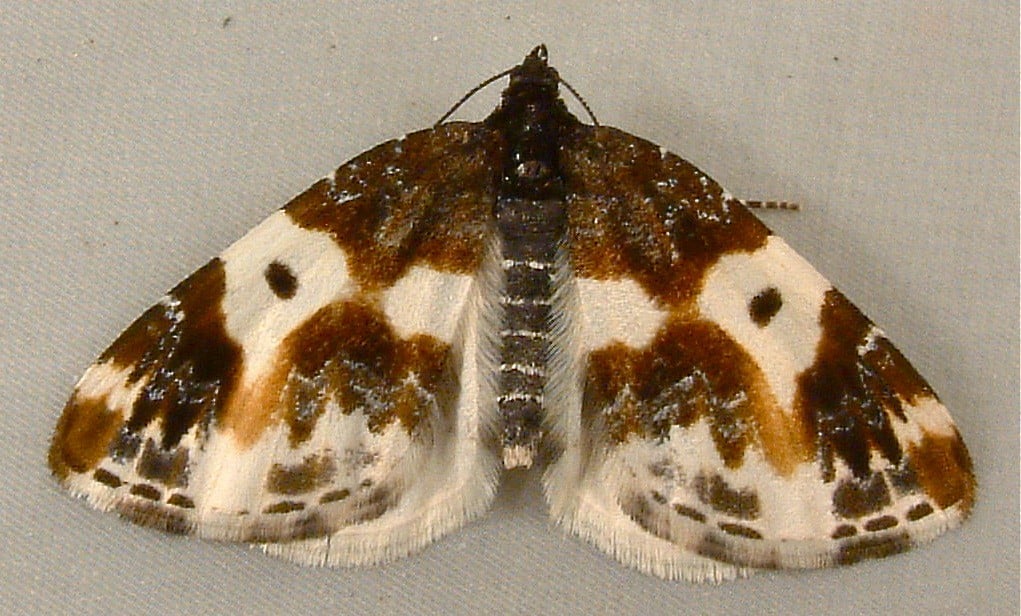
point(347, 382)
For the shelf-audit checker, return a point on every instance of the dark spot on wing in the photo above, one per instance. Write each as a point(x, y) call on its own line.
point(281, 280)
point(739, 503)
point(843, 531)
point(764, 306)
point(919, 511)
point(425, 199)
point(689, 512)
point(107, 478)
point(145, 490)
point(740, 530)
point(646, 515)
point(168, 467)
point(854, 497)
point(860, 548)
point(284, 507)
point(156, 515)
point(182, 501)
point(880, 523)
point(311, 473)
point(635, 213)
point(334, 496)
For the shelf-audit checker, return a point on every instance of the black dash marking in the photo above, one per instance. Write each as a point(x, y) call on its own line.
point(740, 530)
point(843, 531)
point(881, 523)
point(281, 280)
point(284, 507)
point(146, 491)
point(334, 496)
point(919, 511)
point(764, 306)
point(107, 478)
point(689, 512)
point(182, 501)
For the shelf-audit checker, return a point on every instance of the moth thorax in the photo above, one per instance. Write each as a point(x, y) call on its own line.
point(530, 233)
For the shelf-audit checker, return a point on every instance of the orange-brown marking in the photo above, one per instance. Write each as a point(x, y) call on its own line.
point(425, 199)
point(340, 353)
point(695, 369)
point(943, 468)
point(313, 472)
point(83, 435)
point(634, 213)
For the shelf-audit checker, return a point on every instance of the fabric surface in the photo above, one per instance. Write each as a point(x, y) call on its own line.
point(138, 141)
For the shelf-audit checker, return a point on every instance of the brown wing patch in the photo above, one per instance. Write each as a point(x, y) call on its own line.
point(847, 397)
point(189, 366)
point(83, 435)
point(943, 468)
point(348, 354)
point(426, 198)
point(636, 212)
point(692, 370)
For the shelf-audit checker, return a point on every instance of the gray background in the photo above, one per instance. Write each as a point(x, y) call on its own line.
point(138, 142)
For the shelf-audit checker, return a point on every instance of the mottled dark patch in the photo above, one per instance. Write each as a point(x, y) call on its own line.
point(846, 400)
point(373, 505)
point(313, 472)
point(880, 523)
point(107, 478)
point(284, 507)
point(740, 530)
point(145, 490)
point(155, 515)
point(739, 503)
point(843, 531)
point(425, 199)
point(689, 512)
point(168, 467)
point(919, 511)
point(854, 498)
point(182, 349)
point(944, 471)
point(902, 478)
point(135, 344)
point(125, 446)
point(645, 515)
point(347, 353)
point(658, 498)
point(182, 501)
point(82, 436)
point(281, 280)
point(854, 550)
point(334, 495)
point(764, 306)
point(691, 370)
point(636, 213)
